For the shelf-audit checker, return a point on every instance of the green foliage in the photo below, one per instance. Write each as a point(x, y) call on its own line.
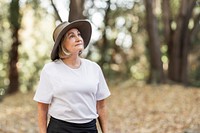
point(36, 46)
point(35, 36)
point(5, 42)
point(121, 53)
point(174, 4)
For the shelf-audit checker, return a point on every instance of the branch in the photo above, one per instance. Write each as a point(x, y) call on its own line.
point(56, 11)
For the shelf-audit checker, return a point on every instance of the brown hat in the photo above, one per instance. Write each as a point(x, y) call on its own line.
point(83, 26)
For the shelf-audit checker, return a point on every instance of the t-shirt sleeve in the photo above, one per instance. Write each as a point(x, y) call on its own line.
point(44, 90)
point(103, 90)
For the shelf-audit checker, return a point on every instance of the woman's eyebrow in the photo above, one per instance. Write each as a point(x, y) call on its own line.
point(72, 33)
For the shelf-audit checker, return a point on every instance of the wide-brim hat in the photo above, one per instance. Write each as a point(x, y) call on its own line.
point(84, 28)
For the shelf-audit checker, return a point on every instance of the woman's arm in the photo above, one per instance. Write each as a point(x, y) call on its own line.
point(42, 117)
point(101, 110)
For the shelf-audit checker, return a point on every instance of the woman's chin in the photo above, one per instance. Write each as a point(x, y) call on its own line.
point(80, 48)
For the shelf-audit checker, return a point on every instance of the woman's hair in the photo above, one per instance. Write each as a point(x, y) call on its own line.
point(62, 51)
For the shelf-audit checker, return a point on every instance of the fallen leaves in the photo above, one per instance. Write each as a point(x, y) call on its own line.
point(132, 108)
point(154, 109)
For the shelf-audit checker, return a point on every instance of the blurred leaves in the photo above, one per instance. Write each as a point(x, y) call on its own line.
point(5, 43)
point(35, 39)
point(126, 54)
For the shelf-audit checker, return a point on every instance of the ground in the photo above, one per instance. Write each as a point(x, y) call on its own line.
point(132, 108)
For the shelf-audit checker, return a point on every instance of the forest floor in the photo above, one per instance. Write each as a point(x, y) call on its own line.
point(132, 108)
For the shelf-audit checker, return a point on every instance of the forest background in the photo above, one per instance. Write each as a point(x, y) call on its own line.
point(153, 42)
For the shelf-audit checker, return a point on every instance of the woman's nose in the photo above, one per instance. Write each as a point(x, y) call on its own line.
point(78, 38)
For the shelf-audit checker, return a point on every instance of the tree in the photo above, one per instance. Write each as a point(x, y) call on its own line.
point(76, 10)
point(15, 21)
point(156, 69)
point(103, 43)
point(178, 39)
point(177, 36)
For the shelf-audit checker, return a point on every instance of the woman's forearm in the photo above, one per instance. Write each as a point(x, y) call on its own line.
point(101, 109)
point(42, 117)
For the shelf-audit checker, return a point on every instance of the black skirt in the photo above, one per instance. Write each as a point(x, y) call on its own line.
point(59, 126)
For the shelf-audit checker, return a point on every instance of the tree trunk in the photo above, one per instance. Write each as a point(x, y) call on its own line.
point(166, 16)
point(103, 43)
point(156, 69)
point(180, 44)
point(76, 10)
point(15, 25)
point(13, 71)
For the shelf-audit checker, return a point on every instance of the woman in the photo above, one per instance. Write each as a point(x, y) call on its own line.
point(72, 90)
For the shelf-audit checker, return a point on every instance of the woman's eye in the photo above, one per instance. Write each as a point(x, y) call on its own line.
point(79, 34)
point(71, 36)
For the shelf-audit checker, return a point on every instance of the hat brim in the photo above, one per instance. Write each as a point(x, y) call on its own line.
point(84, 28)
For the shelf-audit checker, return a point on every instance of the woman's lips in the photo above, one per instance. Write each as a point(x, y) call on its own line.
point(79, 44)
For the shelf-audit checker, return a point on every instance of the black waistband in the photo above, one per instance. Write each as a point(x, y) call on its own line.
point(88, 124)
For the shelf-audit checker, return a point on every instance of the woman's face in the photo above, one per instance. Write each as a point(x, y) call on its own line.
point(73, 41)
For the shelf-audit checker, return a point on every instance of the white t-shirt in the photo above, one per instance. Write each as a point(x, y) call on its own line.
point(72, 93)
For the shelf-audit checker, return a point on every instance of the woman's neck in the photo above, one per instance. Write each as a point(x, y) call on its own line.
point(73, 61)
